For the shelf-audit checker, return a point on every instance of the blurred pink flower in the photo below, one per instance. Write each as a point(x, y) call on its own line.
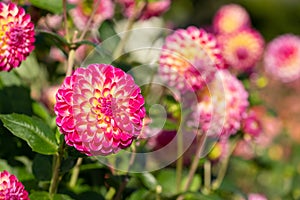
point(282, 57)
point(189, 59)
point(251, 125)
point(152, 9)
point(230, 18)
point(245, 149)
point(83, 10)
point(48, 96)
point(242, 49)
point(11, 188)
point(255, 196)
point(17, 36)
point(99, 109)
point(221, 106)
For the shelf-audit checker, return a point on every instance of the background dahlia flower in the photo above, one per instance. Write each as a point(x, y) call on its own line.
point(189, 59)
point(99, 109)
point(152, 8)
point(230, 18)
point(11, 188)
point(282, 57)
point(242, 49)
point(83, 10)
point(221, 106)
point(17, 36)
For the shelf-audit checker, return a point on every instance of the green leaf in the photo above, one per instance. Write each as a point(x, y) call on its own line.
point(54, 6)
point(35, 132)
point(42, 167)
point(41, 111)
point(45, 196)
point(39, 196)
point(59, 41)
point(148, 180)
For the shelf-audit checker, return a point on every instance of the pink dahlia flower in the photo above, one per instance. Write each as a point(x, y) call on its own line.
point(243, 49)
point(251, 125)
point(11, 188)
point(282, 57)
point(189, 59)
point(17, 36)
point(230, 18)
point(221, 106)
point(99, 109)
point(82, 12)
point(152, 9)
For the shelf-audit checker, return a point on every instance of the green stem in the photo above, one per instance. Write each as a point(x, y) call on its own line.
point(65, 17)
point(119, 49)
point(194, 166)
point(75, 173)
point(179, 162)
point(57, 158)
point(89, 22)
point(224, 165)
point(207, 176)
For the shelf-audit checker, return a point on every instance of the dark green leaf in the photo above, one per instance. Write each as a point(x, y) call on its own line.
point(59, 41)
point(36, 133)
point(54, 6)
point(83, 42)
point(41, 111)
point(42, 167)
point(45, 196)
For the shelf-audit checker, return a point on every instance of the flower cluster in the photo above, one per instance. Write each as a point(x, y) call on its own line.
point(11, 188)
point(17, 36)
point(241, 45)
point(222, 106)
point(189, 59)
point(282, 57)
point(99, 109)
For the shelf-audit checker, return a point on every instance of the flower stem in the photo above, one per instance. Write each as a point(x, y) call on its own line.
point(207, 176)
point(57, 158)
point(224, 165)
point(201, 140)
point(89, 22)
point(138, 9)
point(179, 162)
point(75, 173)
point(65, 17)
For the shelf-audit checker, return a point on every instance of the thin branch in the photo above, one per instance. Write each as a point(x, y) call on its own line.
point(90, 20)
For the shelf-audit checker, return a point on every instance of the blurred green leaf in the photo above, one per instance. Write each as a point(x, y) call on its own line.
point(54, 6)
point(42, 167)
point(139, 194)
point(29, 68)
point(148, 180)
point(41, 111)
point(166, 178)
point(46, 196)
point(35, 132)
point(9, 79)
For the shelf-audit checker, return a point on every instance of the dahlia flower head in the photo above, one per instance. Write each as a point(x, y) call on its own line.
point(17, 36)
point(282, 57)
point(153, 8)
point(222, 106)
point(230, 18)
point(99, 109)
point(242, 49)
point(189, 59)
point(11, 188)
point(83, 10)
point(251, 125)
